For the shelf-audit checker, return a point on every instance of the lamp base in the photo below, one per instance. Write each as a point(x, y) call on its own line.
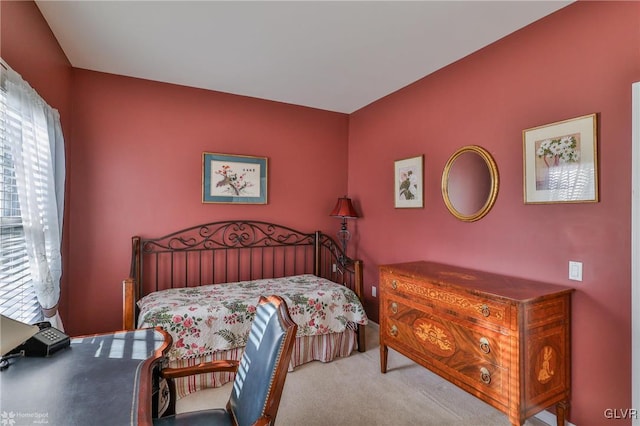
point(344, 236)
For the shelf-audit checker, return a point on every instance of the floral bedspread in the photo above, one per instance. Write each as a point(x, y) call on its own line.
point(205, 319)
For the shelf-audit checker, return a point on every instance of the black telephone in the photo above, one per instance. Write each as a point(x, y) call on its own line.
point(45, 342)
point(39, 339)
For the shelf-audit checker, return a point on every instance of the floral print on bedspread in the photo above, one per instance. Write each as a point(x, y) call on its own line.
point(205, 319)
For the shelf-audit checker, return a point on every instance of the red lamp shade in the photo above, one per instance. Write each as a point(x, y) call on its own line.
point(344, 209)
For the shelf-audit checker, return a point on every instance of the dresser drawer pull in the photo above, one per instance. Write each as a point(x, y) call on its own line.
point(393, 331)
point(485, 376)
point(394, 284)
point(394, 307)
point(484, 345)
point(485, 310)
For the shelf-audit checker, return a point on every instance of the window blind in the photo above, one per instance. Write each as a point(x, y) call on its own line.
point(17, 296)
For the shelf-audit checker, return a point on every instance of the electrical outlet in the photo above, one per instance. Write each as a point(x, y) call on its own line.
point(575, 270)
point(334, 267)
point(373, 291)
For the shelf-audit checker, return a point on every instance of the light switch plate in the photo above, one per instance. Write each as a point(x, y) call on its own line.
point(575, 270)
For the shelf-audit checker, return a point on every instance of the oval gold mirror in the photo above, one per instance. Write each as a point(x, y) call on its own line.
point(470, 183)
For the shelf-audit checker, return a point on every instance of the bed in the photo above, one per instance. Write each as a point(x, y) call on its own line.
point(201, 284)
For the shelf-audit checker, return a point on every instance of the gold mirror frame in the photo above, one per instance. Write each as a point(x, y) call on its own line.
point(492, 169)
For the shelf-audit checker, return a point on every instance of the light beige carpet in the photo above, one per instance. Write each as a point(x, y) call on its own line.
point(352, 391)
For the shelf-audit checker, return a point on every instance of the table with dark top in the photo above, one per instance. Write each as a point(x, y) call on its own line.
point(103, 379)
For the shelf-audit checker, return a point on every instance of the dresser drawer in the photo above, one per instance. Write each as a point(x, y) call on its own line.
point(463, 304)
point(443, 338)
point(489, 380)
point(472, 358)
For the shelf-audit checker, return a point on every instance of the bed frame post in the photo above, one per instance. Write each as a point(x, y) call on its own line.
point(359, 290)
point(127, 299)
point(359, 285)
point(317, 254)
point(130, 287)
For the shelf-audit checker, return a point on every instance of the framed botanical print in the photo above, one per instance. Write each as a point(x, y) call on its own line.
point(409, 182)
point(234, 179)
point(561, 162)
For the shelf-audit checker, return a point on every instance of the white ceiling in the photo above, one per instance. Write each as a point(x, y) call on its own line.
point(332, 55)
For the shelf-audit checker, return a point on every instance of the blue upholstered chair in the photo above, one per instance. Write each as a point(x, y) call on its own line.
point(260, 373)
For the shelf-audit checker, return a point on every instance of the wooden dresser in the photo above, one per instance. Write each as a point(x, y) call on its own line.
point(505, 340)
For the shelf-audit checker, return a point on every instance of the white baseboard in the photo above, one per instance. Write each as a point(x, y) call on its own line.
point(549, 418)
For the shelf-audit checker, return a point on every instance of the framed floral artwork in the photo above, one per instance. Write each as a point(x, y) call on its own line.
point(234, 179)
point(409, 186)
point(561, 162)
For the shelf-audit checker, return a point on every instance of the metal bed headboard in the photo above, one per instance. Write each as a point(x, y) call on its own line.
point(230, 251)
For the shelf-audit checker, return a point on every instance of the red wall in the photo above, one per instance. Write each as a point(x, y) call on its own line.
point(137, 165)
point(580, 60)
point(28, 45)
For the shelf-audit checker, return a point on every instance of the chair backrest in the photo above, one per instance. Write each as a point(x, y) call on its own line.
point(259, 382)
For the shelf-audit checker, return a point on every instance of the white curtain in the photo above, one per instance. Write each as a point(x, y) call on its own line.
point(37, 146)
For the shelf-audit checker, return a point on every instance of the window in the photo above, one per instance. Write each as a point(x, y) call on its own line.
point(17, 296)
